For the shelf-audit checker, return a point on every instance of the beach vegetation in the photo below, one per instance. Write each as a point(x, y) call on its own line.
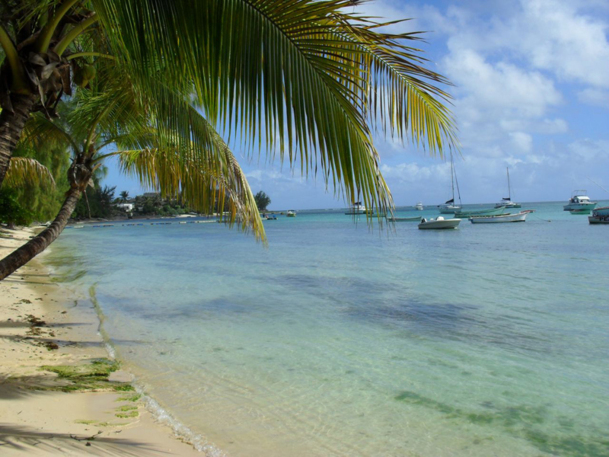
point(134, 397)
point(262, 200)
point(88, 376)
point(165, 83)
point(12, 212)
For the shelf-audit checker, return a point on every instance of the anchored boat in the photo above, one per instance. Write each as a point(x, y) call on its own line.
point(461, 214)
point(579, 203)
point(449, 206)
point(599, 216)
point(439, 223)
point(518, 217)
point(507, 201)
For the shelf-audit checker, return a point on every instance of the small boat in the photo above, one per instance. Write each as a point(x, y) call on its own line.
point(358, 208)
point(404, 219)
point(579, 203)
point(419, 206)
point(599, 215)
point(518, 217)
point(602, 211)
point(461, 214)
point(507, 201)
point(439, 223)
point(291, 213)
point(449, 206)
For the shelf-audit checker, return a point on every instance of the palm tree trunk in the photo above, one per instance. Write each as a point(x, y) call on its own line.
point(39, 243)
point(11, 126)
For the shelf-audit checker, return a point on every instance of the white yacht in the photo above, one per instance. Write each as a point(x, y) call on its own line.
point(579, 203)
point(419, 206)
point(358, 208)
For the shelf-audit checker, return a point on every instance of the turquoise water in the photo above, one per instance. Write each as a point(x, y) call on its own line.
point(341, 340)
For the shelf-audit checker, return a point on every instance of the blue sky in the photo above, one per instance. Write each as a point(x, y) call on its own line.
point(531, 92)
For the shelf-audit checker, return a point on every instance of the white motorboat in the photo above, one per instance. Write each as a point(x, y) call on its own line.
point(291, 213)
point(449, 206)
point(518, 217)
point(358, 208)
point(439, 223)
point(507, 201)
point(579, 203)
point(419, 206)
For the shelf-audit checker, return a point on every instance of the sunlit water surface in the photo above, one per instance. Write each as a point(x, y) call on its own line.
point(341, 340)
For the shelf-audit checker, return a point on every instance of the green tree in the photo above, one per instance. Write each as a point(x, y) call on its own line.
point(262, 200)
point(124, 196)
point(11, 211)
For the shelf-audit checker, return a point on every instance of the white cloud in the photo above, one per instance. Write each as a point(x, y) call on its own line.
point(522, 141)
point(594, 97)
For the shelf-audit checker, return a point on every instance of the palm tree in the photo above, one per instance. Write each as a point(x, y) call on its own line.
point(303, 77)
point(34, 36)
point(166, 169)
point(124, 195)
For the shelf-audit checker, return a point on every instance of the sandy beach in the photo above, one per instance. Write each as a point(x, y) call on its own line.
point(59, 392)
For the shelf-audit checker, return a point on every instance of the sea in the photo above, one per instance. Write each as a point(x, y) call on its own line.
point(342, 338)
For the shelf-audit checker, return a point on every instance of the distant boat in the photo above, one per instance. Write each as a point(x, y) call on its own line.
point(466, 214)
point(599, 215)
point(507, 201)
point(291, 213)
point(419, 206)
point(403, 219)
point(358, 208)
point(518, 217)
point(439, 223)
point(579, 203)
point(449, 206)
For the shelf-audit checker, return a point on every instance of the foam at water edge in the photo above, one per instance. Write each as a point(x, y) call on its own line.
point(179, 429)
point(160, 414)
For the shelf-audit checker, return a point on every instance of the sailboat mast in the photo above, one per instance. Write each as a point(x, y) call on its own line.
point(509, 187)
point(452, 175)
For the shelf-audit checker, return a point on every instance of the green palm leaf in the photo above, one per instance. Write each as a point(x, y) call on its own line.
point(23, 171)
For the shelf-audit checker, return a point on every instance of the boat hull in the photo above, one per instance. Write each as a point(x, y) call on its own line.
point(403, 219)
point(483, 212)
point(519, 217)
point(598, 220)
point(508, 205)
point(579, 208)
point(602, 211)
point(440, 224)
point(448, 209)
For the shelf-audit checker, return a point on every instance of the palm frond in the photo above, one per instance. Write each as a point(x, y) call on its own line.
point(274, 71)
point(198, 186)
point(24, 171)
point(38, 129)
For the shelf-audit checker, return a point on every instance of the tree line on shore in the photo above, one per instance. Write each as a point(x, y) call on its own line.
point(159, 85)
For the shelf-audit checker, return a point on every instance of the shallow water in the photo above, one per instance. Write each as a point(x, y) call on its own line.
point(341, 340)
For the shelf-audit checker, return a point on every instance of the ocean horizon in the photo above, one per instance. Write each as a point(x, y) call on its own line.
point(342, 339)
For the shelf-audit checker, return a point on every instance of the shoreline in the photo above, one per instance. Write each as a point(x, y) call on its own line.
point(46, 408)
